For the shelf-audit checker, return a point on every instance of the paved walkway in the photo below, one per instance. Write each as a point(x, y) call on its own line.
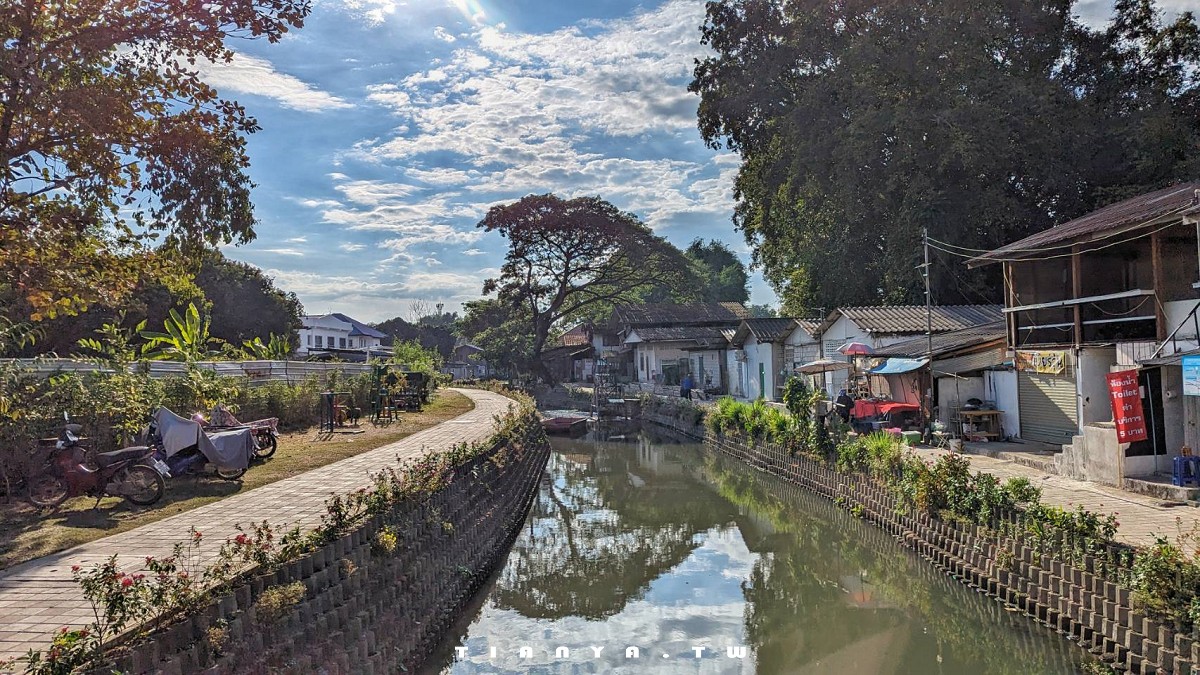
point(39, 597)
point(1141, 517)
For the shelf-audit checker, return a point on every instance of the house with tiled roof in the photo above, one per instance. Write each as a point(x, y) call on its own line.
point(338, 335)
point(661, 343)
point(756, 366)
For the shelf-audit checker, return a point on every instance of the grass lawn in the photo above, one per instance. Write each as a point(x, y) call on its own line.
point(26, 533)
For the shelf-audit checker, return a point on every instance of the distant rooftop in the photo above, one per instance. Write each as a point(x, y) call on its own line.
point(671, 314)
point(946, 343)
point(911, 319)
point(356, 327)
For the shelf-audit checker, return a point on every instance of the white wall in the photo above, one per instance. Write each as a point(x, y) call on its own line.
point(712, 368)
point(1001, 387)
point(655, 355)
point(956, 391)
point(737, 374)
point(1177, 313)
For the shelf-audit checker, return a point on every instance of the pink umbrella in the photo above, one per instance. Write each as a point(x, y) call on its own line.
point(856, 349)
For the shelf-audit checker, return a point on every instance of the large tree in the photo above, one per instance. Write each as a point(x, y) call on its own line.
point(721, 274)
point(240, 300)
point(110, 142)
point(569, 259)
point(861, 122)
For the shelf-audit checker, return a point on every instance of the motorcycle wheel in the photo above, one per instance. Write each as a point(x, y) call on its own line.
point(266, 449)
point(143, 485)
point(48, 491)
point(230, 474)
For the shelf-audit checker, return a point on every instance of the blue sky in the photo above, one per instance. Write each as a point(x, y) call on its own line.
point(390, 127)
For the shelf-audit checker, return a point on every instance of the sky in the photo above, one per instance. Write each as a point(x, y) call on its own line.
point(389, 128)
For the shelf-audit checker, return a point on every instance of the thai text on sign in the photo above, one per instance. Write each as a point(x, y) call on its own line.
point(1126, 398)
point(1049, 363)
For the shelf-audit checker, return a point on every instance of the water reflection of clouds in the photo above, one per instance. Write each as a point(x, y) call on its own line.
point(697, 603)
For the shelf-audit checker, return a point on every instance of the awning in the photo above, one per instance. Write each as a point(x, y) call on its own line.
point(991, 358)
point(896, 365)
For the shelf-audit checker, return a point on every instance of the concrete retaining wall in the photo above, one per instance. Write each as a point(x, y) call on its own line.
point(1077, 600)
point(1082, 600)
point(364, 610)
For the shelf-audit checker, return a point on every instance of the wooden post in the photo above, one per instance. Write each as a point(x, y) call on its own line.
point(1010, 295)
point(1076, 293)
point(1160, 319)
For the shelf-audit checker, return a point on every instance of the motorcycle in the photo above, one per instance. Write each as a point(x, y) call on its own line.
point(129, 473)
point(265, 431)
point(187, 448)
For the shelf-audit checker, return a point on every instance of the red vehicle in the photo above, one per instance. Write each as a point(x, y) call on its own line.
point(129, 473)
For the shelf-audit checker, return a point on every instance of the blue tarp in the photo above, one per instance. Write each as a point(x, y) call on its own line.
point(895, 366)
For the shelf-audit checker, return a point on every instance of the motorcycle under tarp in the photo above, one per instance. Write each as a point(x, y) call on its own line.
point(228, 450)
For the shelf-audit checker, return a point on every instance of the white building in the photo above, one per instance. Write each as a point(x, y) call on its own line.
point(337, 334)
point(758, 349)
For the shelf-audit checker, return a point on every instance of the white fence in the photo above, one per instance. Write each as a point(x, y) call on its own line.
point(256, 372)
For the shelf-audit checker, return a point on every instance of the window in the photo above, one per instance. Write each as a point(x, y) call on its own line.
point(318, 341)
point(310, 339)
point(342, 342)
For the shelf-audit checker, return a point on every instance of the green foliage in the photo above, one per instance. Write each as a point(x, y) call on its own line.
point(569, 258)
point(115, 346)
point(722, 275)
point(859, 124)
point(277, 348)
point(186, 338)
point(417, 358)
point(277, 601)
point(141, 161)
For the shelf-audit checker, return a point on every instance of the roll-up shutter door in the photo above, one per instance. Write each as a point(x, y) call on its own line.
point(1048, 406)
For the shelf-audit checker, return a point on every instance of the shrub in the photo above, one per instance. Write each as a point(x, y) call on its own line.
point(276, 601)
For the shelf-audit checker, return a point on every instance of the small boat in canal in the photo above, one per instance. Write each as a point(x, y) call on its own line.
point(564, 424)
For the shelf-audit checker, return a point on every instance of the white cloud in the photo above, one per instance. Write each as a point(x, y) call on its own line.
point(535, 113)
point(351, 248)
point(442, 34)
point(252, 75)
point(373, 12)
point(284, 251)
point(473, 251)
point(297, 240)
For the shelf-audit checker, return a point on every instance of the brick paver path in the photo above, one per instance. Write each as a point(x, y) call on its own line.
point(39, 597)
point(1141, 516)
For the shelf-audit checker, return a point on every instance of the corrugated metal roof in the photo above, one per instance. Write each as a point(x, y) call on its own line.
point(1113, 219)
point(911, 319)
point(677, 333)
point(670, 314)
point(767, 330)
point(946, 343)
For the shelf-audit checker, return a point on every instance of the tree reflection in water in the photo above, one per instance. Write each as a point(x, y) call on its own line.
point(666, 545)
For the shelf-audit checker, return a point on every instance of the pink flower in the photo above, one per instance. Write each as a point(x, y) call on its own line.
point(149, 559)
point(196, 535)
point(127, 582)
point(75, 568)
point(241, 539)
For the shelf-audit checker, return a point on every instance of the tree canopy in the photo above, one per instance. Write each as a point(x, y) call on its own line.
point(859, 123)
point(722, 276)
point(571, 259)
point(242, 303)
point(114, 155)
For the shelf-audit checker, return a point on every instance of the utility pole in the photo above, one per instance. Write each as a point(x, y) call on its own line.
point(929, 337)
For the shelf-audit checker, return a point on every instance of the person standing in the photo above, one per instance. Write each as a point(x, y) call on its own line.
point(843, 405)
point(685, 388)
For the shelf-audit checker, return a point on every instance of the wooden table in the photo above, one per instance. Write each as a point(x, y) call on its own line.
point(985, 422)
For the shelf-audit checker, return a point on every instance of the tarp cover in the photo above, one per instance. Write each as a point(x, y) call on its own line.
point(895, 366)
point(230, 449)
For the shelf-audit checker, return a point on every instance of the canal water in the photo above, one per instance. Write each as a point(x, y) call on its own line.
point(640, 543)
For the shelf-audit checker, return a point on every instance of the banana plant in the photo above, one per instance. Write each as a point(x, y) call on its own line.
point(277, 348)
point(186, 338)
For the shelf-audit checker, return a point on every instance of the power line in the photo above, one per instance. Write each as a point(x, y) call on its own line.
point(1048, 248)
point(1053, 257)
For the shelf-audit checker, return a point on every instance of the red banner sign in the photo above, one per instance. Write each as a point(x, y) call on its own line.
point(1126, 398)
